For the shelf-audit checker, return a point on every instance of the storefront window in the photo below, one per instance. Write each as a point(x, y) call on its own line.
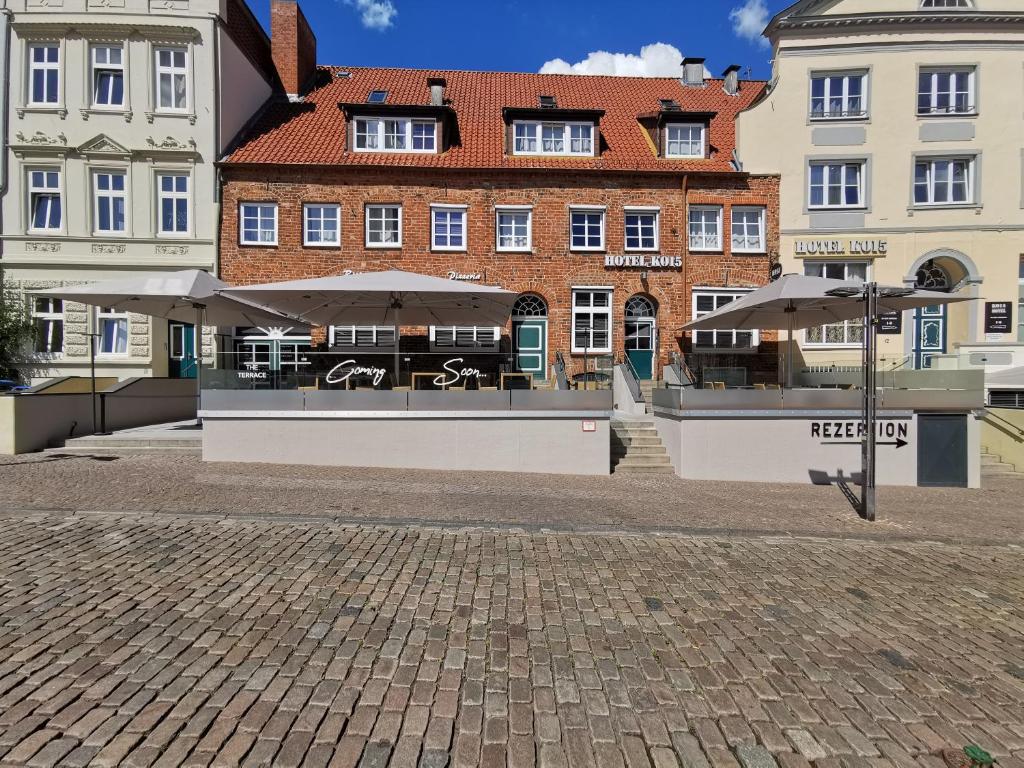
point(851, 332)
point(475, 338)
point(591, 321)
point(707, 301)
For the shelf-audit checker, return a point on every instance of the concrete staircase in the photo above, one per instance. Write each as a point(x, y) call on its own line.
point(636, 447)
point(177, 438)
point(994, 466)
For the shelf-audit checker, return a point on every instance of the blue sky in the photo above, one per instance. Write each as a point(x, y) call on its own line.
point(523, 35)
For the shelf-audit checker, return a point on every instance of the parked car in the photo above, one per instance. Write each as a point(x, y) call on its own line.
point(6, 385)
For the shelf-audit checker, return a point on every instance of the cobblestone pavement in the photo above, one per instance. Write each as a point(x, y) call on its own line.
point(159, 639)
point(160, 483)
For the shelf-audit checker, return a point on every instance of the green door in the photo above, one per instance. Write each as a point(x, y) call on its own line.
point(530, 340)
point(640, 346)
point(182, 351)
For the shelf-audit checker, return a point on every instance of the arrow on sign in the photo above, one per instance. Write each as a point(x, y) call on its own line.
point(899, 443)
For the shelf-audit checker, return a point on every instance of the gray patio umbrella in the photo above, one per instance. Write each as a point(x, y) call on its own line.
point(795, 302)
point(188, 296)
point(391, 297)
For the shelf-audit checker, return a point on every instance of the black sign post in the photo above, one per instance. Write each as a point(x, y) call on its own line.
point(998, 317)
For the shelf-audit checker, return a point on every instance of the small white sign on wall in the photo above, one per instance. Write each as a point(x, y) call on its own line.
point(589, 425)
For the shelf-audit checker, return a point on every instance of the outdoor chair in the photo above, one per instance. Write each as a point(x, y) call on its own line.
point(719, 385)
point(759, 386)
point(709, 385)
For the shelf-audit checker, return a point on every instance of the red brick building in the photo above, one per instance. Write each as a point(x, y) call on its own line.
point(613, 204)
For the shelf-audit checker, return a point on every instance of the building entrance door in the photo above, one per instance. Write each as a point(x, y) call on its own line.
point(530, 335)
point(181, 347)
point(641, 335)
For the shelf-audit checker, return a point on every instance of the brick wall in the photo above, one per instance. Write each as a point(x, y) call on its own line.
point(550, 270)
point(293, 45)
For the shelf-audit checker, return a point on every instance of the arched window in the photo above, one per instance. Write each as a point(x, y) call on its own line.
point(640, 306)
point(530, 305)
point(933, 277)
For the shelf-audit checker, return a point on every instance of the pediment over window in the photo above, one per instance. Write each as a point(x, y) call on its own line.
point(103, 146)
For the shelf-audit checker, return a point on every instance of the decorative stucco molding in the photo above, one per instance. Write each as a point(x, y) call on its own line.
point(108, 247)
point(172, 250)
point(40, 139)
point(42, 247)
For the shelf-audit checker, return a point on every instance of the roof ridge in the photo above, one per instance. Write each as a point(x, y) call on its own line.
point(343, 68)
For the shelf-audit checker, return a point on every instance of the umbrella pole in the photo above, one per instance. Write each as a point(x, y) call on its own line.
point(92, 376)
point(198, 340)
point(398, 336)
point(789, 355)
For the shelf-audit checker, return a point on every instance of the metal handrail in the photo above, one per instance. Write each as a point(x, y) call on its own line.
point(561, 380)
point(632, 380)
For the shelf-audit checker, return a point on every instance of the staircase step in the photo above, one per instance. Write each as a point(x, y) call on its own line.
point(636, 440)
point(108, 442)
point(638, 450)
point(644, 460)
point(654, 469)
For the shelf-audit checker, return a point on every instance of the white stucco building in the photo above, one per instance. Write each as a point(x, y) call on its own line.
point(896, 126)
point(117, 112)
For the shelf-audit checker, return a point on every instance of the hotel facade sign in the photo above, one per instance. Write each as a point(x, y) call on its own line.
point(815, 248)
point(642, 261)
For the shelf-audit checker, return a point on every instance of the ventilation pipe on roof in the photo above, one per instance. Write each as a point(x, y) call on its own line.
point(437, 86)
point(732, 79)
point(693, 71)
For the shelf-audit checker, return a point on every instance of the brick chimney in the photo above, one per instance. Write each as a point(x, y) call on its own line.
point(293, 45)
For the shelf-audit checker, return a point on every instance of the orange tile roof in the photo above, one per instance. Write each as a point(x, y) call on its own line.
point(313, 132)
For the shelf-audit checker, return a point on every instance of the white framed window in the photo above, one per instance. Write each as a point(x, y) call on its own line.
point(48, 323)
point(481, 338)
point(839, 96)
point(362, 336)
point(514, 227)
point(173, 203)
point(586, 229)
point(395, 135)
point(172, 91)
point(591, 320)
point(947, 91)
point(321, 225)
point(107, 76)
point(383, 226)
point(748, 229)
point(706, 301)
point(112, 327)
point(685, 140)
point(257, 223)
point(851, 332)
point(547, 138)
point(705, 227)
point(45, 203)
point(947, 4)
point(448, 228)
point(641, 229)
point(836, 184)
point(44, 74)
point(109, 202)
point(944, 181)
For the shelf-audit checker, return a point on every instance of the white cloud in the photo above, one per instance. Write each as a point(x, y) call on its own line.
point(375, 14)
point(655, 60)
point(749, 21)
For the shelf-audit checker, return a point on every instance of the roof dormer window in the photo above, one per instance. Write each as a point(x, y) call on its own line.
point(685, 140)
point(946, 4)
point(377, 97)
point(395, 135)
point(532, 137)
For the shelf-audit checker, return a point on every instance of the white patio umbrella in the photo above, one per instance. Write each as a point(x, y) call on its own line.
point(188, 295)
point(391, 297)
point(795, 302)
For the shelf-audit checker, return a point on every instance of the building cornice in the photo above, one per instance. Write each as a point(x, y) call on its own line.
point(917, 19)
point(36, 30)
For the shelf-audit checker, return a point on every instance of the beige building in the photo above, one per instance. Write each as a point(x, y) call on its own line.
point(898, 129)
point(117, 112)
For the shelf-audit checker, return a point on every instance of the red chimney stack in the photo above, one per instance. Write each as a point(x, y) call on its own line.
point(293, 45)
